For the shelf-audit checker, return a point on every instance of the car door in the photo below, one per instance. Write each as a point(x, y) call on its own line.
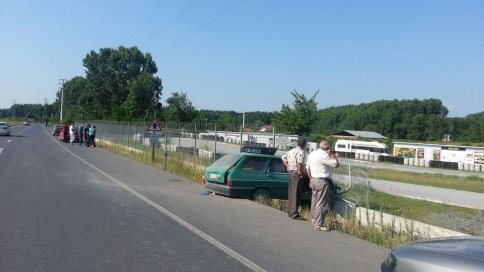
point(250, 173)
point(278, 176)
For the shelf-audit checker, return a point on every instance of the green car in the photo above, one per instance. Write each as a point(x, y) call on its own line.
point(254, 173)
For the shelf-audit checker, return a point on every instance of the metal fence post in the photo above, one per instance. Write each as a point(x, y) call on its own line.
point(215, 145)
point(195, 137)
point(166, 147)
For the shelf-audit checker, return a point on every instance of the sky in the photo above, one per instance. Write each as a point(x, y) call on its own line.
point(249, 55)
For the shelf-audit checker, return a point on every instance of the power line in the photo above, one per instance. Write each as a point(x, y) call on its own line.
point(145, 23)
point(170, 22)
point(215, 16)
point(233, 32)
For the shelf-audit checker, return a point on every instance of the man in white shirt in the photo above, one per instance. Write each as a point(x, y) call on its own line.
point(72, 133)
point(319, 166)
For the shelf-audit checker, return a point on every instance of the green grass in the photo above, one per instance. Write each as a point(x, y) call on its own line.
point(470, 183)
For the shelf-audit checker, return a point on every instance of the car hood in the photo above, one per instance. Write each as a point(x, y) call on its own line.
point(457, 252)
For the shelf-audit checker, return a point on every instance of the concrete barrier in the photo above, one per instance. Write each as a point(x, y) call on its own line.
point(427, 163)
point(421, 162)
point(466, 167)
point(477, 167)
point(405, 161)
point(366, 217)
point(411, 162)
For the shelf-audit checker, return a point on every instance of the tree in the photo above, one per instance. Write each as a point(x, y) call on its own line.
point(179, 108)
point(301, 118)
point(121, 83)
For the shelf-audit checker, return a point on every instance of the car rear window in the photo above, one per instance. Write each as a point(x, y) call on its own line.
point(227, 161)
point(257, 164)
point(3, 124)
point(277, 166)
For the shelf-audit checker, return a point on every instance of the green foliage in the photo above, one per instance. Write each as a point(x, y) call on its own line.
point(470, 128)
point(119, 84)
point(300, 118)
point(179, 108)
point(397, 119)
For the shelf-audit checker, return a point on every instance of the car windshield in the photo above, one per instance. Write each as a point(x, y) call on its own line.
point(3, 124)
point(227, 160)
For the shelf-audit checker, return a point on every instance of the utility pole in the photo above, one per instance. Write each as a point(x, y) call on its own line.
point(62, 96)
point(45, 107)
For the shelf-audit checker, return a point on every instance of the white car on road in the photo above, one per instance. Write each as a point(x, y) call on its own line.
point(4, 129)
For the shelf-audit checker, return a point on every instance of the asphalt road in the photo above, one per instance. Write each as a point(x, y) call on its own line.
point(69, 208)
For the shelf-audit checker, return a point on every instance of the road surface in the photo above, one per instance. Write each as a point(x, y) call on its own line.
point(69, 208)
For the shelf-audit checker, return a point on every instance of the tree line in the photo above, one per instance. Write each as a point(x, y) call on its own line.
point(121, 84)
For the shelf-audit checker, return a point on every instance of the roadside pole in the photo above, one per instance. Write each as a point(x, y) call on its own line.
point(153, 127)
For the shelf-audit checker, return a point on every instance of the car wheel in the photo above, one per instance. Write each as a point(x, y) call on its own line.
point(262, 196)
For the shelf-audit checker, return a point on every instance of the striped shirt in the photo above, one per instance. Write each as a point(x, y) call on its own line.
point(293, 157)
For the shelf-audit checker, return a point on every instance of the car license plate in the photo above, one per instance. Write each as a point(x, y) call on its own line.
point(214, 176)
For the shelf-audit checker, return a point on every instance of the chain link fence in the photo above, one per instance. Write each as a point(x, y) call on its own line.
point(206, 142)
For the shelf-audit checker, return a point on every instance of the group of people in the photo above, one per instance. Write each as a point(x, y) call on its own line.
point(87, 134)
point(318, 167)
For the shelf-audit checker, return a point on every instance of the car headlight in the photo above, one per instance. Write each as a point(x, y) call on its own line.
point(391, 261)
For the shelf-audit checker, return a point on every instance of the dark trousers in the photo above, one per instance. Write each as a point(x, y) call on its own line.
point(294, 194)
point(91, 140)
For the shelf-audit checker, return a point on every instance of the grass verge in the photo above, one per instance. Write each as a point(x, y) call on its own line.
point(192, 168)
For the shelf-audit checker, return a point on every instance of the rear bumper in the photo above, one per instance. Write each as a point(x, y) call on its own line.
point(222, 189)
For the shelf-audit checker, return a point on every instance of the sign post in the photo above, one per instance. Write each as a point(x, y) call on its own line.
point(153, 127)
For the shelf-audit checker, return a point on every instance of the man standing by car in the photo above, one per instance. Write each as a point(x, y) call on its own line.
point(65, 130)
point(294, 161)
point(92, 136)
point(319, 167)
point(72, 133)
point(81, 134)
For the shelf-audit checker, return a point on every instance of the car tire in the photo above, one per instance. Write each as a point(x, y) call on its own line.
point(262, 196)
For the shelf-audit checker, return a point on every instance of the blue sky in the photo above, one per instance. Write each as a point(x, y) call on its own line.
point(248, 55)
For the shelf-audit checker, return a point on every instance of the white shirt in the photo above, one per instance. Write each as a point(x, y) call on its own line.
point(71, 129)
point(320, 164)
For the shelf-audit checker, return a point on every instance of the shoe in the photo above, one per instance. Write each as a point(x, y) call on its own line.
point(319, 228)
point(298, 217)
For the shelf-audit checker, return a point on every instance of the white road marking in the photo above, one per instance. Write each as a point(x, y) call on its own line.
point(9, 140)
point(248, 263)
point(1, 150)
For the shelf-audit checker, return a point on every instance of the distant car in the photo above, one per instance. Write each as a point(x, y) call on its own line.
point(4, 129)
point(26, 123)
point(68, 135)
point(56, 130)
point(254, 173)
point(463, 254)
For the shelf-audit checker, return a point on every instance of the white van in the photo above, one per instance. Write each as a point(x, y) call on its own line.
point(362, 147)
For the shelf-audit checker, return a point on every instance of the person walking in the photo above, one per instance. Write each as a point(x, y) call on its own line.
point(319, 168)
point(92, 136)
point(81, 134)
point(86, 135)
point(294, 160)
point(65, 130)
